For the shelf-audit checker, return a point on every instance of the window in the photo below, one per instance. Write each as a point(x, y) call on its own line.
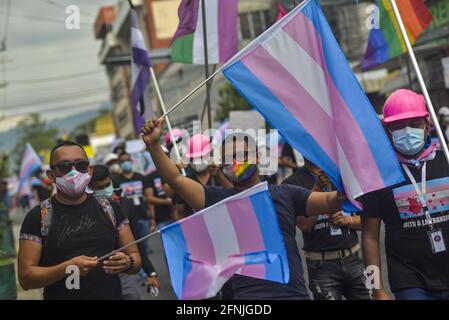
point(258, 24)
point(244, 26)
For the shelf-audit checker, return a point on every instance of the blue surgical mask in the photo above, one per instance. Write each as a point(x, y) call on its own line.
point(408, 141)
point(105, 193)
point(127, 166)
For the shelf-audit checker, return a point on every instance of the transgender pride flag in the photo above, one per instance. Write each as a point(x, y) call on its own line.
point(237, 235)
point(30, 163)
point(221, 28)
point(296, 75)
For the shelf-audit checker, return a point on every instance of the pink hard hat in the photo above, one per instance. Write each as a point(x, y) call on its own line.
point(404, 104)
point(199, 146)
point(177, 133)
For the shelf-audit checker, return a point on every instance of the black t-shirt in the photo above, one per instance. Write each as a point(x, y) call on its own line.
point(154, 181)
point(133, 188)
point(411, 263)
point(188, 211)
point(76, 230)
point(290, 201)
point(320, 238)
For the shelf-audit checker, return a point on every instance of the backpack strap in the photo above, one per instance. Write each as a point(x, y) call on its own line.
point(108, 210)
point(46, 218)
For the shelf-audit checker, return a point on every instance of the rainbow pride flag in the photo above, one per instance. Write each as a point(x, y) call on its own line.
point(386, 42)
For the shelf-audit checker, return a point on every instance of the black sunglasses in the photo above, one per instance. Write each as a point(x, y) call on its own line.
point(66, 166)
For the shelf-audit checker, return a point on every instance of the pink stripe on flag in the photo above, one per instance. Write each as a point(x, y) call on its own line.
point(227, 29)
point(250, 239)
point(289, 92)
point(199, 244)
point(353, 142)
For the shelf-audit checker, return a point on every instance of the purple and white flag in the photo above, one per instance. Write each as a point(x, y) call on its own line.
point(140, 75)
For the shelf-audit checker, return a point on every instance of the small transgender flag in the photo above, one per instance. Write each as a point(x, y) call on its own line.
point(238, 235)
point(30, 163)
point(297, 77)
point(140, 75)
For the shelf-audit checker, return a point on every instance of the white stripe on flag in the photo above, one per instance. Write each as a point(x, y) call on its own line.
point(301, 66)
point(137, 39)
point(347, 174)
point(212, 34)
point(222, 232)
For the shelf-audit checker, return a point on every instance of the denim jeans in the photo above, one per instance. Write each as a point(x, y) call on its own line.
point(338, 278)
point(421, 294)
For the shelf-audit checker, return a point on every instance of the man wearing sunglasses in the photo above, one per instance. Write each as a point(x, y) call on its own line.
point(65, 235)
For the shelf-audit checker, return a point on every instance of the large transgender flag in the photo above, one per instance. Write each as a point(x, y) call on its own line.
point(296, 75)
point(239, 235)
point(141, 106)
point(221, 32)
point(30, 163)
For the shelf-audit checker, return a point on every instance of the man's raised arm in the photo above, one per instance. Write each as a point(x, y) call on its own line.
point(191, 191)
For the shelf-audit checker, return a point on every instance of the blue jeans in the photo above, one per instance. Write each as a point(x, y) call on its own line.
point(421, 294)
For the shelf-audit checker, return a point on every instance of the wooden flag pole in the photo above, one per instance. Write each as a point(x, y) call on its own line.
point(161, 101)
point(420, 79)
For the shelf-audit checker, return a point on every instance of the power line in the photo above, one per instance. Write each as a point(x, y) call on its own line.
point(60, 5)
point(56, 108)
point(51, 101)
point(40, 63)
point(58, 78)
point(51, 93)
point(29, 17)
point(5, 30)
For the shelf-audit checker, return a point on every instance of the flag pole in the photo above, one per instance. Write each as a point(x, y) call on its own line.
point(180, 102)
point(420, 80)
point(126, 246)
point(206, 63)
point(161, 101)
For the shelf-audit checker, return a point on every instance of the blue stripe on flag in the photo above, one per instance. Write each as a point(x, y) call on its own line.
point(175, 248)
point(352, 93)
point(274, 112)
point(269, 226)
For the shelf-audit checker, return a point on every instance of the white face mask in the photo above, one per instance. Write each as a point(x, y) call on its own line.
point(73, 183)
point(199, 167)
point(115, 168)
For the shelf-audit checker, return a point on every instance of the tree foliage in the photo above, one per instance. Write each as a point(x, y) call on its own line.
point(38, 133)
point(230, 100)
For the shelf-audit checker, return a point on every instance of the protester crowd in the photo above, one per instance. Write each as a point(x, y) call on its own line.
point(88, 210)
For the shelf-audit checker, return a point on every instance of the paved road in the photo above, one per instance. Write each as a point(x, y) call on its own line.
point(158, 259)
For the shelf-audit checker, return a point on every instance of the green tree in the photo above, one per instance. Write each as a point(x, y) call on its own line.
point(230, 100)
point(89, 126)
point(38, 133)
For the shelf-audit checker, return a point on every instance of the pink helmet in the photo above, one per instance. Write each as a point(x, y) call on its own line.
point(404, 104)
point(199, 146)
point(177, 133)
